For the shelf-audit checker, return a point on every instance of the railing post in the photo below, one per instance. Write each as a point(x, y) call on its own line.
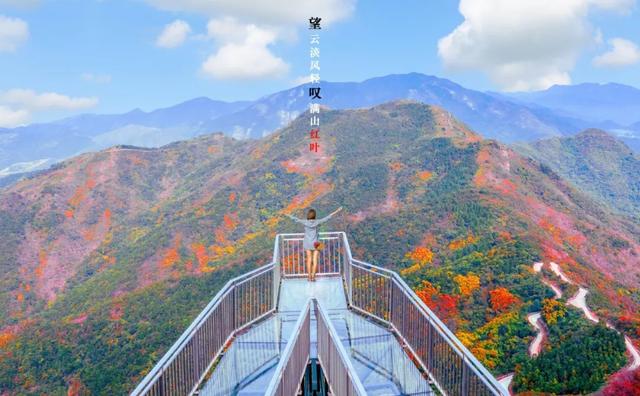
point(430, 346)
point(234, 316)
point(465, 378)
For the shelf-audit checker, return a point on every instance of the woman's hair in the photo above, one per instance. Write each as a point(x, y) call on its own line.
point(311, 214)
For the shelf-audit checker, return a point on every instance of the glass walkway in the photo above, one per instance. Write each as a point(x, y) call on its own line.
point(366, 331)
point(382, 366)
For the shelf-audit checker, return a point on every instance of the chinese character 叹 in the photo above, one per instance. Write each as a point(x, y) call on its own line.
point(314, 92)
point(314, 23)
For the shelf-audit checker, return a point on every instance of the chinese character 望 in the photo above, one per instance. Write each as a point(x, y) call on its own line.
point(314, 23)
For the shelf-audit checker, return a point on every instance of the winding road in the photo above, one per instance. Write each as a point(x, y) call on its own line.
point(579, 301)
point(536, 344)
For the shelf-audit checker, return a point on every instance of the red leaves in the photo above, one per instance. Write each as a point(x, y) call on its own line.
point(443, 305)
point(171, 255)
point(502, 299)
point(624, 383)
point(201, 255)
point(447, 306)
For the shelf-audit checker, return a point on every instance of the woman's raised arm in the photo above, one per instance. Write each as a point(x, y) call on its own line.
point(294, 218)
point(322, 220)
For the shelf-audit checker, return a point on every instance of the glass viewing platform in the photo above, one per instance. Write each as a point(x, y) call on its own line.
point(357, 330)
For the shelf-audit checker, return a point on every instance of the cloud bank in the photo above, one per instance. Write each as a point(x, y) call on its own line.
point(245, 31)
point(526, 44)
point(17, 105)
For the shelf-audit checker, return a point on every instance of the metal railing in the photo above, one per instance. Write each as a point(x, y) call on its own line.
point(294, 359)
point(330, 260)
point(251, 353)
point(371, 290)
point(334, 359)
point(241, 302)
point(382, 294)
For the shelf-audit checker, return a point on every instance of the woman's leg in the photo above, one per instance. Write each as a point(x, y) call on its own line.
point(308, 256)
point(316, 256)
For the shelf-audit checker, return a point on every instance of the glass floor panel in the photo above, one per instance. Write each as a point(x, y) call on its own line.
point(329, 291)
point(249, 364)
point(377, 356)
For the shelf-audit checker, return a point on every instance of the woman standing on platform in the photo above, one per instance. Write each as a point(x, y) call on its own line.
point(310, 244)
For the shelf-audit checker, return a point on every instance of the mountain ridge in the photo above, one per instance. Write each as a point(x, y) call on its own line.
point(493, 115)
point(597, 163)
point(108, 256)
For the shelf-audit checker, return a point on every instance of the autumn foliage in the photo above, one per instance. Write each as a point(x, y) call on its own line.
point(420, 257)
point(552, 310)
point(426, 291)
point(171, 255)
point(502, 299)
point(462, 242)
point(624, 383)
point(424, 175)
point(467, 283)
point(444, 305)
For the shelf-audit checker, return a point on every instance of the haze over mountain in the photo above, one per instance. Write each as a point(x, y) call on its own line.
point(106, 258)
point(37, 146)
point(504, 118)
point(597, 163)
point(588, 101)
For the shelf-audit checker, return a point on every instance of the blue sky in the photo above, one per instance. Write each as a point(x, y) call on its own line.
point(59, 58)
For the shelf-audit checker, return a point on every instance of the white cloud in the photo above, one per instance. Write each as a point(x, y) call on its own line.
point(245, 30)
point(622, 6)
point(96, 78)
point(28, 99)
point(622, 53)
point(174, 34)
point(525, 44)
point(10, 118)
point(301, 80)
point(243, 51)
point(275, 12)
point(13, 33)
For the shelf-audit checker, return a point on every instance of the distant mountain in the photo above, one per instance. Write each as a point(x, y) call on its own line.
point(590, 102)
point(106, 258)
point(494, 117)
point(596, 163)
point(36, 146)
